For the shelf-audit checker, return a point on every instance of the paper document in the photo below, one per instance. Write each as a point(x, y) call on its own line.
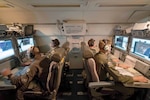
point(124, 71)
point(134, 72)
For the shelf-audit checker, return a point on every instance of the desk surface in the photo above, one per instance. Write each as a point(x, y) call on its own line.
point(134, 73)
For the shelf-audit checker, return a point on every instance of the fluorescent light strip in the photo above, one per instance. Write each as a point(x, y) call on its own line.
point(122, 5)
point(37, 6)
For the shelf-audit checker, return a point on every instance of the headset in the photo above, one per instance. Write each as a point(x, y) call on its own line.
point(91, 42)
point(106, 46)
point(32, 55)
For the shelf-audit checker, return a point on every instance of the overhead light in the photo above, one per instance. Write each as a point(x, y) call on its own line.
point(6, 6)
point(66, 5)
point(120, 5)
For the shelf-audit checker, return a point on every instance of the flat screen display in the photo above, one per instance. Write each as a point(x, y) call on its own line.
point(141, 48)
point(6, 49)
point(25, 43)
point(121, 42)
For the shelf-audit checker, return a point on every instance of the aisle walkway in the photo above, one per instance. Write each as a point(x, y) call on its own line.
point(76, 90)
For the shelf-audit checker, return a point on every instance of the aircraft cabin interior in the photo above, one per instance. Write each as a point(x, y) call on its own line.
point(74, 49)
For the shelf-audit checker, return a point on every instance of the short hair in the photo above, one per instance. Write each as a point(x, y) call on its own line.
point(56, 42)
point(91, 42)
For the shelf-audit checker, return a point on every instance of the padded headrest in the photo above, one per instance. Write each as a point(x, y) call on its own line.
point(56, 57)
point(61, 51)
point(58, 54)
point(66, 45)
point(87, 53)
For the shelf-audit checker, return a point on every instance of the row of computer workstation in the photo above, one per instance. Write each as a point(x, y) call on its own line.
point(13, 53)
point(131, 49)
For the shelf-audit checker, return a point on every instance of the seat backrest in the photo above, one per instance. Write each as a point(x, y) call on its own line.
point(90, 66)
point(54, 75)
point(92, 69)
point(51, 74)
point(50, 77)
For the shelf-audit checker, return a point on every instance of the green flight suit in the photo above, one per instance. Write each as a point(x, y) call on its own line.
point(106, 71)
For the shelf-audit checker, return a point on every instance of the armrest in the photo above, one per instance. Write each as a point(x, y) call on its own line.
point(101, 84)
point(33, 92)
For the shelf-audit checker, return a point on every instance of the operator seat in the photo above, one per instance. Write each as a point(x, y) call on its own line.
point(96, 88)
point(53, 80)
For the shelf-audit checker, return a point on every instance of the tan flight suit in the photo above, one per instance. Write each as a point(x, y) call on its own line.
point(93, 51)
point(38, 69)
point(106, 72)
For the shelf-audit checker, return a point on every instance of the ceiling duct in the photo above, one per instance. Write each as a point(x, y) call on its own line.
point(129, 29)
point(142, 26)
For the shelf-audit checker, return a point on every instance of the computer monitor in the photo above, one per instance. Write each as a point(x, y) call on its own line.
point(121, 42)
point(29, 30)
point(140, 48)
point(6, 49)
point(25, 43)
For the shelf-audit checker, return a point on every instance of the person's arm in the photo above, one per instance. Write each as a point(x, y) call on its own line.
point(118, 77)
point(124, 78)
point(24, 79)
point(119, 64)
point(20, 81)
point(123, 65)
point(140, 79)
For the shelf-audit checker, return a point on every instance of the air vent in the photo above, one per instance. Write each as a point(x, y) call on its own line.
point(121, 5)
point(74, 28)
point(45, 6)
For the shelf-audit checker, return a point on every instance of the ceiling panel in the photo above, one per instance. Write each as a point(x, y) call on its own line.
point(93, 11)
point(138, 15)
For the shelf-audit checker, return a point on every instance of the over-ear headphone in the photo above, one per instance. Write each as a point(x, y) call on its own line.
point(32, 55)
point(106, 46)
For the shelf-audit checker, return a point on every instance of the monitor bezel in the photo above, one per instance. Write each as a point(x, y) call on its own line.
point(136, 56)
point(19, 47)
point(118, 47)
point(11, 56)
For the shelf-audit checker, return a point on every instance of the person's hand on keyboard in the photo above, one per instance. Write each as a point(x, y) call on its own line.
point(115, 60)
point(122, 65)
point(140, 79)
point(6, 72)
